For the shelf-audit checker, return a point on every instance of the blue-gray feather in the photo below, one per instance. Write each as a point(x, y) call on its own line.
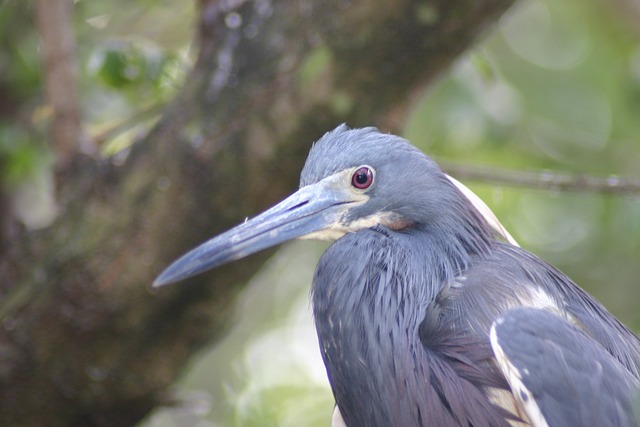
point(572, 381)
point(370, 296)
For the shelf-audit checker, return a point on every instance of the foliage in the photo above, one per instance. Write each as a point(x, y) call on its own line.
point(131, 57)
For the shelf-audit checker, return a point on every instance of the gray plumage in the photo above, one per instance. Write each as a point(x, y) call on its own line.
point(584, 387)
point(406, 298)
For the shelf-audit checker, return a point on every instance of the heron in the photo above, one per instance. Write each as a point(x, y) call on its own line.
point(427, 312)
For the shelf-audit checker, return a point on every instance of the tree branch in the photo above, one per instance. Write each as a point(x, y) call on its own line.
point(545, 180)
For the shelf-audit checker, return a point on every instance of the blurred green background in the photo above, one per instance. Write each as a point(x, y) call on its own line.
point(554, 86)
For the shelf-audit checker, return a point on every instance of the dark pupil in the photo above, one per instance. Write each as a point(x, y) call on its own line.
point(362, 177)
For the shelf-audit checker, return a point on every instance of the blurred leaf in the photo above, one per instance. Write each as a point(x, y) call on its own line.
point(113, 66)
point(135, 66)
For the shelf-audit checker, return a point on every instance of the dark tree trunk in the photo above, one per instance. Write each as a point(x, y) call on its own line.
point(54, 20)
point(83, 341)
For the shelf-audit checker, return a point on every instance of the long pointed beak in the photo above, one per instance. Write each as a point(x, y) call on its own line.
point(311, 209)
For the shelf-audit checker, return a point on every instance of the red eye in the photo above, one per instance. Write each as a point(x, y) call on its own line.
point(362, 178)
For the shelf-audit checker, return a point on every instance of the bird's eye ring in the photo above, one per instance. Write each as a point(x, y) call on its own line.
point(362, 178)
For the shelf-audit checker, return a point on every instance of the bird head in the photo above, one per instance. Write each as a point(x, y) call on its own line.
point(352, 179)
point(380, 179)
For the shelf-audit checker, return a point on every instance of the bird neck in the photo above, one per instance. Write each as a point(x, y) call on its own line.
point(460, 223)
point(451, 240)
point(371, 291)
